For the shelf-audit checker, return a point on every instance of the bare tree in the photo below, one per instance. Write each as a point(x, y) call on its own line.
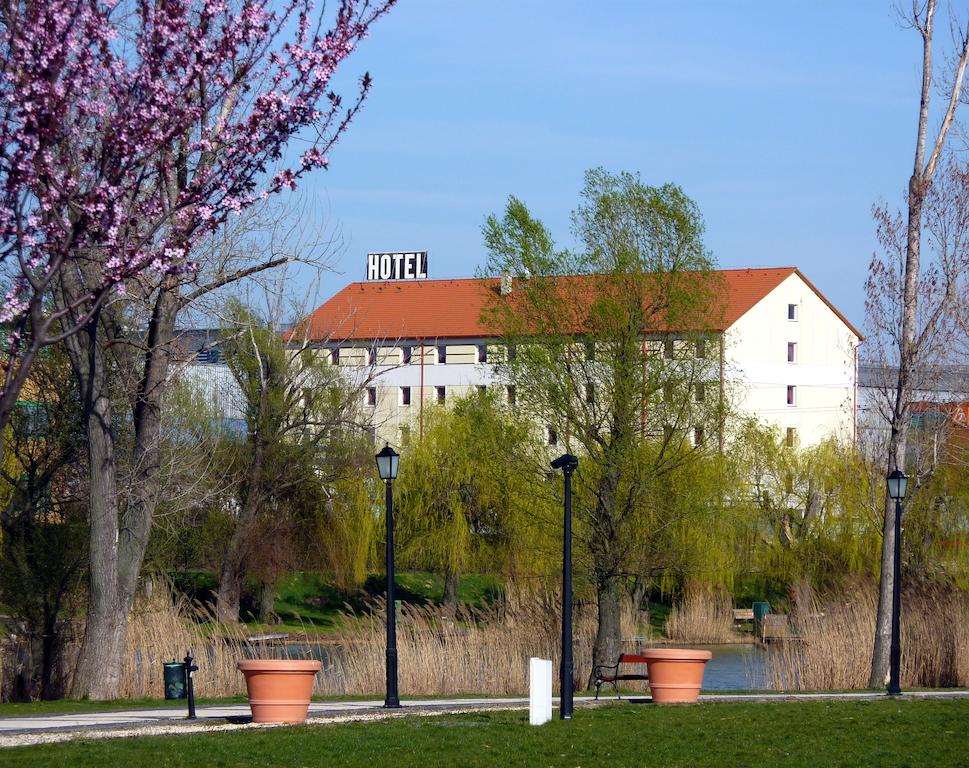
point(914, 326)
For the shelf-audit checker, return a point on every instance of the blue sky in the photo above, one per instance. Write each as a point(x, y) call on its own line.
point(784, 121)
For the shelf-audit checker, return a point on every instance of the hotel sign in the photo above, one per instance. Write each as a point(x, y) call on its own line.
point(397, 266)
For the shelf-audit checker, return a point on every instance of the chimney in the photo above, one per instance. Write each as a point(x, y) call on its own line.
point(505, 283)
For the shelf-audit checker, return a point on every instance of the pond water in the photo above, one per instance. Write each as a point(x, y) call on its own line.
point(734, 667)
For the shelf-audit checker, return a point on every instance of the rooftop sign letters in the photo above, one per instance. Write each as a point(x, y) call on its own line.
point(397, 266)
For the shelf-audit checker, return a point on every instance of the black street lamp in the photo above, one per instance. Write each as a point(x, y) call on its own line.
point(567, 463)
point(387, 462)
point(897, 486)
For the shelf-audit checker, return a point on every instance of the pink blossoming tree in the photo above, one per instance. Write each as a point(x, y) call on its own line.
point(131, 129)
point(131, 133)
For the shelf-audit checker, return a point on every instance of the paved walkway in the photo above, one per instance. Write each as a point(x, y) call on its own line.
point(34, 729)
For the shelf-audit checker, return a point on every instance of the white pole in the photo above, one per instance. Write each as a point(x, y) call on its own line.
point(540, 691)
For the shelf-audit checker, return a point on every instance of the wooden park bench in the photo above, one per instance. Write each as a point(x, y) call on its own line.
point(613, 674)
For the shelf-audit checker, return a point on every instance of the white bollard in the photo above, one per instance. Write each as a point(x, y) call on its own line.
point(540, 691)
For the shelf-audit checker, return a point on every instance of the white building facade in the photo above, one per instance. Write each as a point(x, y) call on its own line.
point(787, 356)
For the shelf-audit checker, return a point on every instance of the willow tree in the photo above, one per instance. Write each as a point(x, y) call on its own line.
point(610, 350)
point(466, 491)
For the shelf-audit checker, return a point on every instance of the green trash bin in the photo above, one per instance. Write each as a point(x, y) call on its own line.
point(761, 609)
point(175, 680)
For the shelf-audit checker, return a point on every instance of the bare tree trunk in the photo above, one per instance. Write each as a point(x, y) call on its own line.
point(267, 602)
point(608, 645)
point(98, 672)
point(230, 588)
point(452, 580)
point(233, 571)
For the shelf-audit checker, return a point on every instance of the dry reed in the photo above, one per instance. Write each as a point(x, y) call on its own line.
point(704, 615)
point(482, 652)
point(834, 639)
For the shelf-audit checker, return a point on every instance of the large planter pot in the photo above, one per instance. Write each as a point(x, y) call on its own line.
point(279, 689)
point(675, 674)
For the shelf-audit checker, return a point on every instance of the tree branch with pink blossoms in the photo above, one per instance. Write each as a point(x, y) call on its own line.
point(131, 129)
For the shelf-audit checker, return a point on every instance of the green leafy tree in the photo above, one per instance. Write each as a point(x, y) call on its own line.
point(468, 487)
point(610, 349)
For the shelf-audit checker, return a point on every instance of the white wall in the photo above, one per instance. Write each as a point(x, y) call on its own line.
point(755, 352)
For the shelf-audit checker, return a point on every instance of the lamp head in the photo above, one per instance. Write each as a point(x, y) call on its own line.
point(897, 485)
point(387, 462)
point(566, 462)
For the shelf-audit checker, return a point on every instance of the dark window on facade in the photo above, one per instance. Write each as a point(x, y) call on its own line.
point(372, 356)
point(698, 436)
point(552, 437)
point(405, 395)
point(512, 352)
point(482, 353)
point(791, 352)
point(701, 349)
point(371, 396)
point(442, 354)
point(335, 356)
point(441, 393)
point(668, 349)
point(405, 355)
point(791, 437)
point(792, 311)
point(791, 394)
point(482, 389)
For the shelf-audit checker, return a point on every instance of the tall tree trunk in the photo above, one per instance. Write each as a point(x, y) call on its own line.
point(452, 580)
point(233, 570)
point(98, 671)
point(267, 601)
point(608, 644)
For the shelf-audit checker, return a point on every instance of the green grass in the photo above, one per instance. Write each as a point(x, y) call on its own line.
point(882, 733)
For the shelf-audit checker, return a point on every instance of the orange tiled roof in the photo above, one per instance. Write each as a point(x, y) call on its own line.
point(447, 309)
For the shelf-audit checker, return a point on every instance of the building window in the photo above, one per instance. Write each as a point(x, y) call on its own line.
point(371, 396)
point(441, 393)
point(482, 353)
point(510, 396)
point(790, 437)
point(791, 394)
point(791, 352)
point(701, 392)
point(372, 356)
point(552, 437)
point(792, 311)
point(335, 356)
point(697, 436)
point(442, 355)
point(668, 349)
point(405, 395)
point(405, 355)
point(701, 349)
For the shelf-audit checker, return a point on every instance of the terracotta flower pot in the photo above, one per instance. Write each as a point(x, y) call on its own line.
point(279, 689)
point(675, 674)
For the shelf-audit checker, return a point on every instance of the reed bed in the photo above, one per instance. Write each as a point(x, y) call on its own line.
point(704, 615)
point(479, 652)
point(834, 638)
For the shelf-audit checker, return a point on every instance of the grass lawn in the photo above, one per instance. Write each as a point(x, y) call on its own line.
point(880, 733)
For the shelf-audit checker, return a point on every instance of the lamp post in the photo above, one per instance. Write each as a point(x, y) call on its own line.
point(387, 462)
point(567, 463)
point(897, 486)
